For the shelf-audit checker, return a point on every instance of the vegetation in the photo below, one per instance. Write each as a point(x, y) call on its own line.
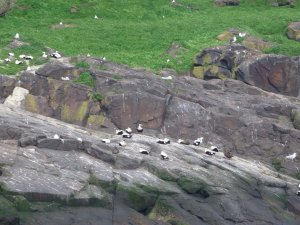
point(83, 64)
point(5, 6)
point(276, 163)
point(96, 96)
point(138, 33)
point(86, 78)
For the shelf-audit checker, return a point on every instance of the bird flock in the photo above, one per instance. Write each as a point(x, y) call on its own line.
point(127, 134)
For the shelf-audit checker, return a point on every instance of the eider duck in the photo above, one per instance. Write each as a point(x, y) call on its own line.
point(128, 130)
point(198, 141)
point(163, 141)
point(122, 143)
point(126, 135)
point(214, 149)
point(164, 156)
point(207, 152)
point(144, 151)
point(18, 62)
point(119, 132)
point(105, 140)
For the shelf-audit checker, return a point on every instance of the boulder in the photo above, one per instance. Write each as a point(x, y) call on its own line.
point(290, 3)
point(293, 31)
point(7, 85)
point(17, 97)
point(227, 2)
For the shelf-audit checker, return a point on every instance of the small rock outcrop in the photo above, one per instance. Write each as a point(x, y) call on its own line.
point(227, 2)
point(7, 85)
point(293, 31)
point(290, 3)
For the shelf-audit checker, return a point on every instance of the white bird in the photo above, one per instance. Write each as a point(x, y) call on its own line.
point(144, 151)
point(127, 135)
point(11, 54)
point(233, 40)
point(298, 193)
point(96, 17)
point(167, 78)
point(60, 23)
point(17, 36)
point(79, 139)
point(18, 62)
point(164, 155)
point(207, 152)
point(173, 1)
point(105, 140)
point(44, 55)
point(242, 34)
point(163, 17)
point(22, 56)
point(128, 130)
point(28, 68)
point(214, 149)
point(104, 58)
point(56, 136)
point(168, 60)
point(140, 128)
point(65, 78)
point(7, 60)
point(28, 57)
point(292, 156)
point(88, 55)
point(198, 141)
point(122, 143)
point(55, 55)
point(299, 186)
point(119, 132)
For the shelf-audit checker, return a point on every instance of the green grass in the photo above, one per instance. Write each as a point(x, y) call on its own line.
point(83, 64)
point(96, 96)
point(134, 32)
point(86, 79)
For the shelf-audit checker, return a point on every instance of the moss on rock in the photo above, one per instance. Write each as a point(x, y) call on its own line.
point(22, 204)
point(95, 121)
point(69, 115)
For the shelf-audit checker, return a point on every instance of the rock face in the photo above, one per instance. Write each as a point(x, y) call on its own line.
point(293, 31)
point(41, 184)
point(278, 74)
point(7, 86)
point(227, 2)
point(17, 97)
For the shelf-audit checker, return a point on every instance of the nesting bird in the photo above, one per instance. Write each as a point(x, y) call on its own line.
point(56, 136)
point(233, 40)
point(22, 56)
point(79, 139)
point(163, 141)
point(298, 193)
point(128, 130)
point(11, 54)
point(28, 57)
point(214, 149)
point(242, 34)
point(44, 55)
point(207, 152)
point(292, 156)
point(167, 78)
point(164, 156)
point(122, 143)
point(105, 140)
point(55, 55)
point(18, 62)
point(17, 36)
point(127, 135)
point(96, 17)
point(65, 78)
point(119, 132)
point(140, 128)
point(198, 141)
point(7, 60)
point(144, 151)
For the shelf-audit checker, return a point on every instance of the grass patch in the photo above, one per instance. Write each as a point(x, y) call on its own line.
point(138, 33)
point(97, 96)
point(83, 64)
point(87, 79)
point(276, 163)
point(296, 175)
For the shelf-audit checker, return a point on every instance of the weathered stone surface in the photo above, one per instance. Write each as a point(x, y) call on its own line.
point(17, 97)
point(7, 85)
point(227, 2)
point(293, 31)
point(290, 3)
point(128, 185)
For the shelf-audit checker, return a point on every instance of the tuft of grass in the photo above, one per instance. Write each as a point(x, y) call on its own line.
point(83, 64)
point(87, 79)
point(97, 96)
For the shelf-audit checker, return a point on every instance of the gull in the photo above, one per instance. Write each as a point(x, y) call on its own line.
point(233, 40)
point(17, 36)
point(144, 151)
point(104, 58)
point(7, 60)
point(56, 136)
point(140, 128)
point(164, 155)
point(88, 55)
point(242, 34)
point(292, 156)
point(22, 56)
point(166, 78)
point(105, 140)
point(65, 78)
point(128, 130)
point(60, 23)
point(96, 17)
point(44, 55)
point(18, 62)
point(122, 143)
point(168, 60)
point(79, 139)
point(11, 54)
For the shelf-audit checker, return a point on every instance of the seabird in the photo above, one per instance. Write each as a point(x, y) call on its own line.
point(167, 78)
point(214, 149)
point(180, 141)
point(173, 1)
point(44, 55)
point(28, 57)
point(233, 40)
point(144, 151)
point(104, 58)
point(298, 193)
point(228, 154)
point(122, 143)
point(168, 60)
point(198, 141)
point(79, 139)
point(18, 62)
point(55, 55)
point(128, 130)
point(28, 68)
point(88, 55)
point(207, 152)
point(163, 141)
point(164, 156)
point(22, 56)
point(242, 34)
point(299, 186)
point(105, 140)
point(126, 135)
point(11, 54)
point(96, 17)
point(65, 78)
point(17, 36)
point(60, 23)
point(292, 156)
point(119, 132)
point(56, 136)
point(140, 128)
point(7, 60)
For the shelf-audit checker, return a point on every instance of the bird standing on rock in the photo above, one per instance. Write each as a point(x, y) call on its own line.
point(140, 128)
point(164, 156)
point(128, 130)
point(292, 156)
